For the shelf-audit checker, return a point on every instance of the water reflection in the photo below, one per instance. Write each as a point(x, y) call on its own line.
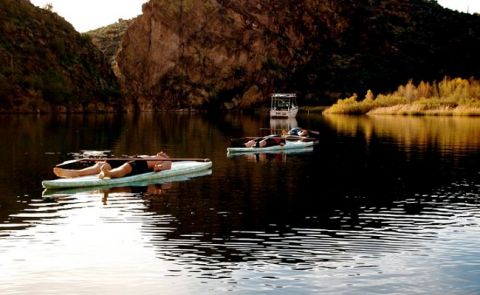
point(262, 156)
point(203, 238)
point(374, 206)
point(277, 125)
point(418, 132)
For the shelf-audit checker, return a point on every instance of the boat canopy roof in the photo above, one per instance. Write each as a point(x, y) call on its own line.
point(284, 95)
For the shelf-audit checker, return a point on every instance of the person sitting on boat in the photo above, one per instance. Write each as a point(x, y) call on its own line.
point(119, 168)
point(266, 141)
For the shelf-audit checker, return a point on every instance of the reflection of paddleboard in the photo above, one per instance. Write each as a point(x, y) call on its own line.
point(182, 168)
point(272, 152)
point(53, 193)
point(289, 145)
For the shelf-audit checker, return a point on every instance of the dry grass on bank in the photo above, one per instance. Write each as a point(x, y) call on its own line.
point(448, 97)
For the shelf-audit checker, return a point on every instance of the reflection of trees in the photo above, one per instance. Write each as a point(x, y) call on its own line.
point(447, 133)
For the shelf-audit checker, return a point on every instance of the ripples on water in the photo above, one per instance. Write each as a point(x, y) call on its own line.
point(350, 217)
point(326, 254)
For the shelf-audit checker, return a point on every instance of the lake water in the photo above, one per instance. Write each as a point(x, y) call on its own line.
point(384, 205)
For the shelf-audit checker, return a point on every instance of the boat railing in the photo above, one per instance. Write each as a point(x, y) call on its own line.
point(283, 105)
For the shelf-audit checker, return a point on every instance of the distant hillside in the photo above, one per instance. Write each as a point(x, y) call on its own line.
point(197, 53)
point(45, 65)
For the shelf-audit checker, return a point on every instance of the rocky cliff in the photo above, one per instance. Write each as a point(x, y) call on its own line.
point(108, 38)
point(46, 66)
point(191, 53)
point(229, 54)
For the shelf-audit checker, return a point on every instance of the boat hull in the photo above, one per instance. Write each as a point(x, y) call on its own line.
point(291, 113)
point(178, 168)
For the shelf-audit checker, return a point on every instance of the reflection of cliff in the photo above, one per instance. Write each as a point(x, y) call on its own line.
point(178, 134)
point(448, 133)
point(34, 144)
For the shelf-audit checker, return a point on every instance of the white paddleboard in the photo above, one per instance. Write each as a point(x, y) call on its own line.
point(178, 168)
point(287, 146)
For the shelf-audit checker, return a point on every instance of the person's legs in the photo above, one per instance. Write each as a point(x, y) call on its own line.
point(107, 171)
point(68, 173)
point(271, 141)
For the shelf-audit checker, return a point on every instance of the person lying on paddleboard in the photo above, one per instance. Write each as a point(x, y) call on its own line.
point(296, 131)
point(300, 132)
point(118, 168)
point(265, 141)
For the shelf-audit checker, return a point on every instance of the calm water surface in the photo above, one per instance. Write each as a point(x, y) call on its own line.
point(385, 205)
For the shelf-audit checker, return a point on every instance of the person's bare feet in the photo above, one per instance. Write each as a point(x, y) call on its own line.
point(250, 143)
point(104, 172)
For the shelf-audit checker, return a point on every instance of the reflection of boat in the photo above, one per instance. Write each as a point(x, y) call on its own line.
point(283, 105)
point(271, 152)
point(289, 145)
point(49, 193)
point(277, 125)
point(181, 168)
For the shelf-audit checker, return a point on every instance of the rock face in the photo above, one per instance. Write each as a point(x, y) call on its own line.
point(187, 53)
point(108, 38)
point(46, 66)
point(214, 53)
point(229, 53)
